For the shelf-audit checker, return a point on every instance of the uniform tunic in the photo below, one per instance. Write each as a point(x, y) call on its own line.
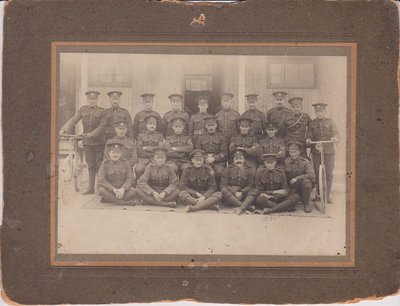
point(278, 115)
point(236, 179)
point(183, 146)
point(198, 180)
point(167, 121)
point(139, 125)
point(249, 143)
point(112, 115)
point(295, 127)
point(115, 174)
point(275, 145)
point(258, 121)
point(226, 119)
point(196, 125)
point(158, 179)
point(128, 150)
point(269, 180)
point(299, 168)
point(91, 117)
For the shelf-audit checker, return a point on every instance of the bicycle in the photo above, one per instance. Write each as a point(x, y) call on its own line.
point(74, 164)
point(322, 173)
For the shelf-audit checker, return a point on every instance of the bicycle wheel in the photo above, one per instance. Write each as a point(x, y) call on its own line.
point(322, 188)
point(67, 169)
point(78, 169)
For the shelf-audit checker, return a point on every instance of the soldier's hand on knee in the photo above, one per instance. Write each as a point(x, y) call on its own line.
point(162, 195)
point(239, 195)
point(293, 181)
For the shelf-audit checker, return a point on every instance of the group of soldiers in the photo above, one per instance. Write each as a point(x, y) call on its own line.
point(250, 162)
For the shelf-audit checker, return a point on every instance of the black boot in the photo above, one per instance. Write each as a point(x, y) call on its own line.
point(92, 177)
point(306, 200)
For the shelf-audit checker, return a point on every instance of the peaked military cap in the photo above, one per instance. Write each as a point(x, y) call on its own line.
point(160, 151)
point(202, 99)
point(114, 145)
point(197, 154)
point(269, 157)
point(295, 101)
point(319, 106)
point(244, 120)
point(294, 145)
point(149, 117)
point(178, 121)
point(114, 93)
point(227, 94)
point(210, 119)
point(92, 93)
point(175, 96)
point(120, 124)
point(239, 151)
point(271, 125)
point(147, 95)
point(279, 94)
point(251, 95)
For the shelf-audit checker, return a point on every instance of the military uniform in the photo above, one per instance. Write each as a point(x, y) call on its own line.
point(128, 150)
point(279, 114)
point(167, 121)
point(196, 182)
point(226, 119)
point(159, 179)
point(302, 170)
point(216, 146)
point(93, 144)
point(115, 175)
point(139, 122)
point(275, 145)
point(179, 147)
point(146, 143)
point(258, 121)
point(196, 125)
point(110, 117)
point(273, 183)
point(248, 143)
point(323, 129)
point(238, 179)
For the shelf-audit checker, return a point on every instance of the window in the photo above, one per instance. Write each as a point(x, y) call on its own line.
point(295, 72)
point(198, 82)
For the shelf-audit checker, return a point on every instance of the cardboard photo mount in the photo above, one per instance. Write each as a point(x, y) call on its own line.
point(31, 27)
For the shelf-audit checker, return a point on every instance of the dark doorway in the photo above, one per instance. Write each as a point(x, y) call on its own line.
point(198, 85)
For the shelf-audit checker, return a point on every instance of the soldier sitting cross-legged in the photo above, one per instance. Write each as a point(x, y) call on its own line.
point(197, 185)
point(159, 184)
point(272, 185)
point(115, 178)
point(237, 184)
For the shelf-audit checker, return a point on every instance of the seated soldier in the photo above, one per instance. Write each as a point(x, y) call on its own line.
point(179, 146)
point(237, 184)
point(159, 184)
point(271, 183)
point(300, 174)
point(129, 145)
point(147, 142)
point(272, 144)
point(247, 142)
point(215, 147)
point(115, 178)
point(197, 185)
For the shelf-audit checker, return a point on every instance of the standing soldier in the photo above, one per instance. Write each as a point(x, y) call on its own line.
point(296, 124)
point(300, 174)
point(227, 117)
point(273, 144)
point(159, 184)
point(237, 184)
point(176, 103)
point(320, 129)
point(139, 122)
point(279, 112)
point(93, 145)
point(115, 178)
point(271, 183)
point(196, 124)
point(147, 142)
point(129, 145)
point(247, 142)
point(113, 114)
point(257, 116)
point(215, 147)
point(197, 185)
point(179, 146)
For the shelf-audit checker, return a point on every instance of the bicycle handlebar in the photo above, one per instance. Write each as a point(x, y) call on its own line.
point(321, 141)
point(71, 136)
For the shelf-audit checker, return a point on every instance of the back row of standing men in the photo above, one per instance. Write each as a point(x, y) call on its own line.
point(218, 136)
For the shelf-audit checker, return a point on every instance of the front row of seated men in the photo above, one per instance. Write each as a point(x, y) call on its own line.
point(269, 188)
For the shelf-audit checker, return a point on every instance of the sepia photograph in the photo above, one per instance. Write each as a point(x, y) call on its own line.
point(208, 154)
